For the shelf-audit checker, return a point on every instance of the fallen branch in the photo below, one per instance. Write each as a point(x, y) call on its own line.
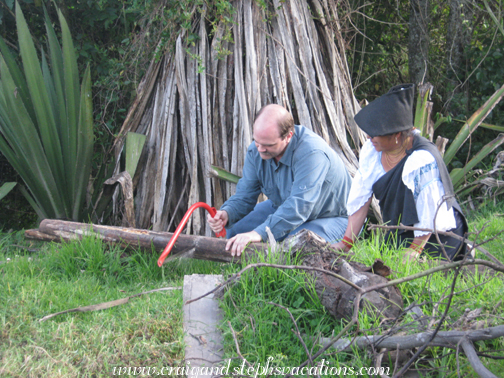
point(448, 339)
point(237, 345)
point(105, 305)
point(473, 359)
point(201, 247)
point(297, 333)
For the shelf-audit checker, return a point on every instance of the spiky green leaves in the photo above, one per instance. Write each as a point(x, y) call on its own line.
point(46, 124)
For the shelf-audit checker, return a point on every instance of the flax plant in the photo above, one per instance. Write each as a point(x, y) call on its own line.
point(458, 175)
point(46, 124)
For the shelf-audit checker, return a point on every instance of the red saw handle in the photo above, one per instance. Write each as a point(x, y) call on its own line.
point(177, 232)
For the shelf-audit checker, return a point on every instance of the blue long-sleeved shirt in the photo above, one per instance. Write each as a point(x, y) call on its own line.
point(309, 182)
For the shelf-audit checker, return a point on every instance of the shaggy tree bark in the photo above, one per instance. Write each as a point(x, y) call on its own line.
point(196, 106)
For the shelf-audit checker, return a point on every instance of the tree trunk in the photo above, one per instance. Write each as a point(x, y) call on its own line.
point(418, 50)
point(196, 247)
point(457, 38)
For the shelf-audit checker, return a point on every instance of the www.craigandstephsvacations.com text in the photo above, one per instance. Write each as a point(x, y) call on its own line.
point(257, 370)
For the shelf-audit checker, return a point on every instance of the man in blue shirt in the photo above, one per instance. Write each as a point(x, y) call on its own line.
point(306, 183)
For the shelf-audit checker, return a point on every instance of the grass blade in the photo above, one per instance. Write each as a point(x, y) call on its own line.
point(72, 97)
point(84, 141)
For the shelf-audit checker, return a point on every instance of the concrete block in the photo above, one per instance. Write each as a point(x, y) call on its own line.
point(203, 340)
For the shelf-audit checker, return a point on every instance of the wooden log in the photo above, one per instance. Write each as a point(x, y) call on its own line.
point(199, 247)
point(337, 296)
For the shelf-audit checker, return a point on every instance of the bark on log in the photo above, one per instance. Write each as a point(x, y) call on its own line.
point(200, 247)
point(335, 295)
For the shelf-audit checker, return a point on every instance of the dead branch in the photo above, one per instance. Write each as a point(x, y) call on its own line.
point(448, 339)
point(474, 360)
point(378, 362)
point(297, 333)
point(237, 345)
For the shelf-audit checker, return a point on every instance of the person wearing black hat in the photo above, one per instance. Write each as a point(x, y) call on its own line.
point(406, 173)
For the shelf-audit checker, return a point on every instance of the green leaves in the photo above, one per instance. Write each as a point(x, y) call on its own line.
point(46, 125)
point(422, 119)
point(224, 175)
point(472, 124)
point(458, 174)
point(6, 188)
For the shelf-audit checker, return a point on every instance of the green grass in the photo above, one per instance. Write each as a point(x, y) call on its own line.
point(41, 279)
point(264, 330)
point(146, 331)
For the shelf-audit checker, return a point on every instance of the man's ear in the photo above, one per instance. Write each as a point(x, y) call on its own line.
point(289, 136)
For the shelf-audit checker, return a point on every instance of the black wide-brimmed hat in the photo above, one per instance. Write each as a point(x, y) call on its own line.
point(390, 113)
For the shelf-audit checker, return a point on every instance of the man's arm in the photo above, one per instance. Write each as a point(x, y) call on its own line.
point(309, 176)
point(247, 192)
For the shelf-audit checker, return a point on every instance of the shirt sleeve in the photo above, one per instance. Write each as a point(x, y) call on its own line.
point(370, 170)
point(309, 176)
point(247, 192)
point(421, 176)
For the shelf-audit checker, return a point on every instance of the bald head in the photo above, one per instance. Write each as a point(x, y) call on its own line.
point(274, 116)
point(273, 130)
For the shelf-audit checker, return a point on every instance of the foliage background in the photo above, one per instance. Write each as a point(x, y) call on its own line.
point(120, 38)
point(377, 39)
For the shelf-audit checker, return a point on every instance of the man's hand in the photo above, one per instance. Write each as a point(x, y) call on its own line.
point(340, 246)
point(218, 222)
point(237, 243)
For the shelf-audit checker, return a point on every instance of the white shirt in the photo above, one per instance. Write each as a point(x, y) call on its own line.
point(420, 174)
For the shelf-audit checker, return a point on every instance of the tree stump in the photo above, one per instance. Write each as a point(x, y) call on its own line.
point(337, 296)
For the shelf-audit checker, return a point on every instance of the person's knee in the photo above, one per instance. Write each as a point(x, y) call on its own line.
point(330, 229)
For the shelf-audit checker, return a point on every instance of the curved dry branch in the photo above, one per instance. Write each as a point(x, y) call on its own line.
point(474, 360)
